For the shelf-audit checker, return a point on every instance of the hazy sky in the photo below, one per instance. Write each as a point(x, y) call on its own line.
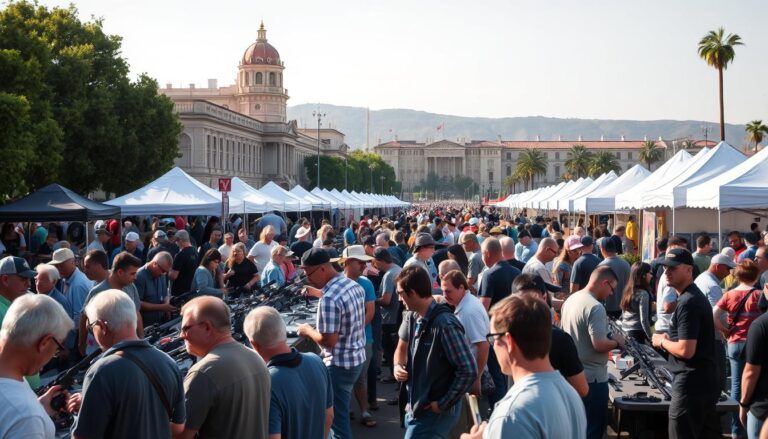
point(494, 58)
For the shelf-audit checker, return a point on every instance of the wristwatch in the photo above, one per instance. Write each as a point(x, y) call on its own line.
point(741, 404)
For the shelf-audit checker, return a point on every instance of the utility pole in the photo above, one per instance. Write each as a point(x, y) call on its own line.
point(319, 116)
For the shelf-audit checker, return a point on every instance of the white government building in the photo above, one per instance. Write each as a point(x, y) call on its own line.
point(241, 129)
point(489, 163)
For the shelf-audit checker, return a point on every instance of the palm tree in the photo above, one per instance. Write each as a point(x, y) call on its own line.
point(511, 182)
point(530, 163)
point(578, 164)
point(649, 153)
point(602, 162)
point(755, 132)
point(717, 50)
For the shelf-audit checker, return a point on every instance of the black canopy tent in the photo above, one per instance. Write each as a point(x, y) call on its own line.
point(56, 203)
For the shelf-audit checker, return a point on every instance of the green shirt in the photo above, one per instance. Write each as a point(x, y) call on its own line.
point(33, 380)
point(701, 261)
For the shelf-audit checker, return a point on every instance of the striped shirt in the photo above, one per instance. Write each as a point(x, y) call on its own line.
point(342, 310)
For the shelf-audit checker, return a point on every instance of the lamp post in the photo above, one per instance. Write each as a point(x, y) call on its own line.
point(346, 173)
point(371, 166)
point(381, 177)
point(319, 116)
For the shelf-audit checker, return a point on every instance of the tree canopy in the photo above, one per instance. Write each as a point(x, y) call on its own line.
point(530, 163)
point(578, 162)
point(603, 162)
point(718, 50)
point(650, 153)
point(69, 111)
point(756, 131)
point(363, 173)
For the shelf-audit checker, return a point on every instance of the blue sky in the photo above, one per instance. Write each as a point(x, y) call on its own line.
point(560, 58)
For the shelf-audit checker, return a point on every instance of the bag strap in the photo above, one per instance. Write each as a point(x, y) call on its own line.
point(151, 376)
point(739, 310)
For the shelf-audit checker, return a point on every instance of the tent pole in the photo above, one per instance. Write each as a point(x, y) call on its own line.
point(673, 220)
point(719, 232)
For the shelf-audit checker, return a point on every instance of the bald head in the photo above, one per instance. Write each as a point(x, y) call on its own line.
point(491, 251)
point(507, 248)
point(209, 309)
point(547, 250)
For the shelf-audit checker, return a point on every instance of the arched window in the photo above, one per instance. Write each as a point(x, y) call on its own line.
point(272, 78)
point(259, 78)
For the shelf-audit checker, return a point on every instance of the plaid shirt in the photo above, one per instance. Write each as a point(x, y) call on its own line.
point(342, 310)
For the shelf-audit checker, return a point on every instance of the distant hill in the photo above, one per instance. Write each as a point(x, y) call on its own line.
point(420, 125)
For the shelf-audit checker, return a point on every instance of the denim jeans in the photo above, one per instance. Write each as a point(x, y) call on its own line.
point(735, 357)
point(431, 425)
point(342, 381)
point(596, 405)
point(753, 426)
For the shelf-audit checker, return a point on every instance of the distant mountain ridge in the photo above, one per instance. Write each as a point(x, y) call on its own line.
point(420, 126)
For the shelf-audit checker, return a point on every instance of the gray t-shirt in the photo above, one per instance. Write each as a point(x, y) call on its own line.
point(541, 405)
point(228, 394)
point(388, 285)
point(476, 264)
point(710, 286)
point(621, 269)
point(130, 290)
point(583, 318)
point(535, 266)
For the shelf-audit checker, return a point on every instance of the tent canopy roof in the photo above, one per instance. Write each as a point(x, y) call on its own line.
point(56, 203)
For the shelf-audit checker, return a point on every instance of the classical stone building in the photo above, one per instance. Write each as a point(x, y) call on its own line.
point(489, 163)
point(241, 129)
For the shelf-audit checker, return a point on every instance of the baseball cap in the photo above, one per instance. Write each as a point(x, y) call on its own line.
point(723, 259)
point(677, 256)
point(160, 235)
point(586, 241)
point(729, 252)
point(607, 244)
point(382, 254)
point(466, 237)
point(302, 232)
point(102, 231)
point(132, 236)
point(314, 257)
point(424, 240)
point(16, 265)
point(496, 231)
point(533, 282)
point(573, 242)
point(61, 255)
point(281, 250)
point(369, 240)
point(355, 252)
point(473, 221)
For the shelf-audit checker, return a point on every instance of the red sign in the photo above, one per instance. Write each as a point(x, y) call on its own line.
point(225, 185)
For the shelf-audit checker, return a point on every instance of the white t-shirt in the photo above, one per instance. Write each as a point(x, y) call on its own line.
point(534, 266)
point(473, 316)
point(664, 294)
point(225, 250)
point(21, 415)
point(262, 254)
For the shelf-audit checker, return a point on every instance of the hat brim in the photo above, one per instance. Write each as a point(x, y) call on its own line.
point(55, 262)
point(359, 258)
point(669, 263)
point(576, 246)
point(29, 274)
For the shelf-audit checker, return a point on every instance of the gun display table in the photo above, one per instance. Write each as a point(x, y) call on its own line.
point(621, 393)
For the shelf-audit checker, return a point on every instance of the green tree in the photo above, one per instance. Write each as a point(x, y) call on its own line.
point(362, 170)
point(577, 164)
point(650, 153)
point(603, 162)
point(530, 163)
point(511, 182)
point(93, 128)
point(717, 50)
point(756, 130)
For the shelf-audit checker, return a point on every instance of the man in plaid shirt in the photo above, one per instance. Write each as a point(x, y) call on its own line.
point(433, 358)
point(340, 333)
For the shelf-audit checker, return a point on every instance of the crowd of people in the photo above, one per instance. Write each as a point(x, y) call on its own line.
point(445, 300)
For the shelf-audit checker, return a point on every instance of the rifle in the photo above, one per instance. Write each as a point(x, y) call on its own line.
point(66, 379)
point(656, 377)
point(155, 332)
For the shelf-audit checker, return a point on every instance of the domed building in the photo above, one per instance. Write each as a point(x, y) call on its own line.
point(241, 130)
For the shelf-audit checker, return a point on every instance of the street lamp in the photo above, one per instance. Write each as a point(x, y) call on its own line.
point(346, 173)
point(381, 177)
point(371, 167)
point(319, 116)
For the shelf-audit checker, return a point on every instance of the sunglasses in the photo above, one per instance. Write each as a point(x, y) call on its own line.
point(59, 347)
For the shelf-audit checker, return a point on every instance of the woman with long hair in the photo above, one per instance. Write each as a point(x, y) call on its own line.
point(741, 306)
point(562, 265)
point(260, 253)
point(636, 303)
point(241, 273)
point(207, 276)
point(456, 252)
point(322, 234)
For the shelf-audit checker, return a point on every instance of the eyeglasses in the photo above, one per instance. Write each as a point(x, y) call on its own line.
point(493, 336)
point(307, 273)
point(89, 325)
point(185, 329)
point(59, 347)
point(613, 285)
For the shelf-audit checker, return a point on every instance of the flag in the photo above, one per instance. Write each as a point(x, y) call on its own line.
point(441, 126)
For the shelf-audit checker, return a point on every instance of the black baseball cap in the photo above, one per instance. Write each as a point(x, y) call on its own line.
point(369, 240)
point(533, 282)
point(586, 241)
point(677, 256)
point(383, 255)
point(314, 257)
point(608, 244)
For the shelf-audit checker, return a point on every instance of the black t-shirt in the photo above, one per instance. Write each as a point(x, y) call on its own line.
point(563, 354)
point(692, 320)
point(299, 247)
point(45, 249)
point(497, 281)
point(536, 231)
point(583, 268)
point(757, 355)
point(169, 247)
point(185, 263)
point(517, 264)
point(244, 272)
point(439, 256)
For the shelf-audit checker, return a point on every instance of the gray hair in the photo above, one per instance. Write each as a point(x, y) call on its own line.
point(113, 307)
point(382, 239)
point(507, 245)
point(33, 316)
point(163, 257)
point(446, 266)
point(50, 271)
point(265, 326)
point(182, 235)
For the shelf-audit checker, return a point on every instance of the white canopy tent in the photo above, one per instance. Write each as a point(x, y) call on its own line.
point(351, 196)
point(275, 191)
point(357, 204)
point(255, 201)
point(174, 193)
point(316, 202)
point(525, 197)
point(335, 204)
point(630, 198)
point(672, 193)
point(604, 199)
point(545, 194)
point(601, 181)
point(745, 186)
point(553, 203)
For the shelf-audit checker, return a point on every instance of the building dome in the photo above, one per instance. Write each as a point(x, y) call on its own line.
point(261, 52)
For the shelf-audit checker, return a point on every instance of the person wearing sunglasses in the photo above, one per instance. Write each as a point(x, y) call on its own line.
point(32, 333)
point(541, 403)
point(546, 253)
point(584, 318)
